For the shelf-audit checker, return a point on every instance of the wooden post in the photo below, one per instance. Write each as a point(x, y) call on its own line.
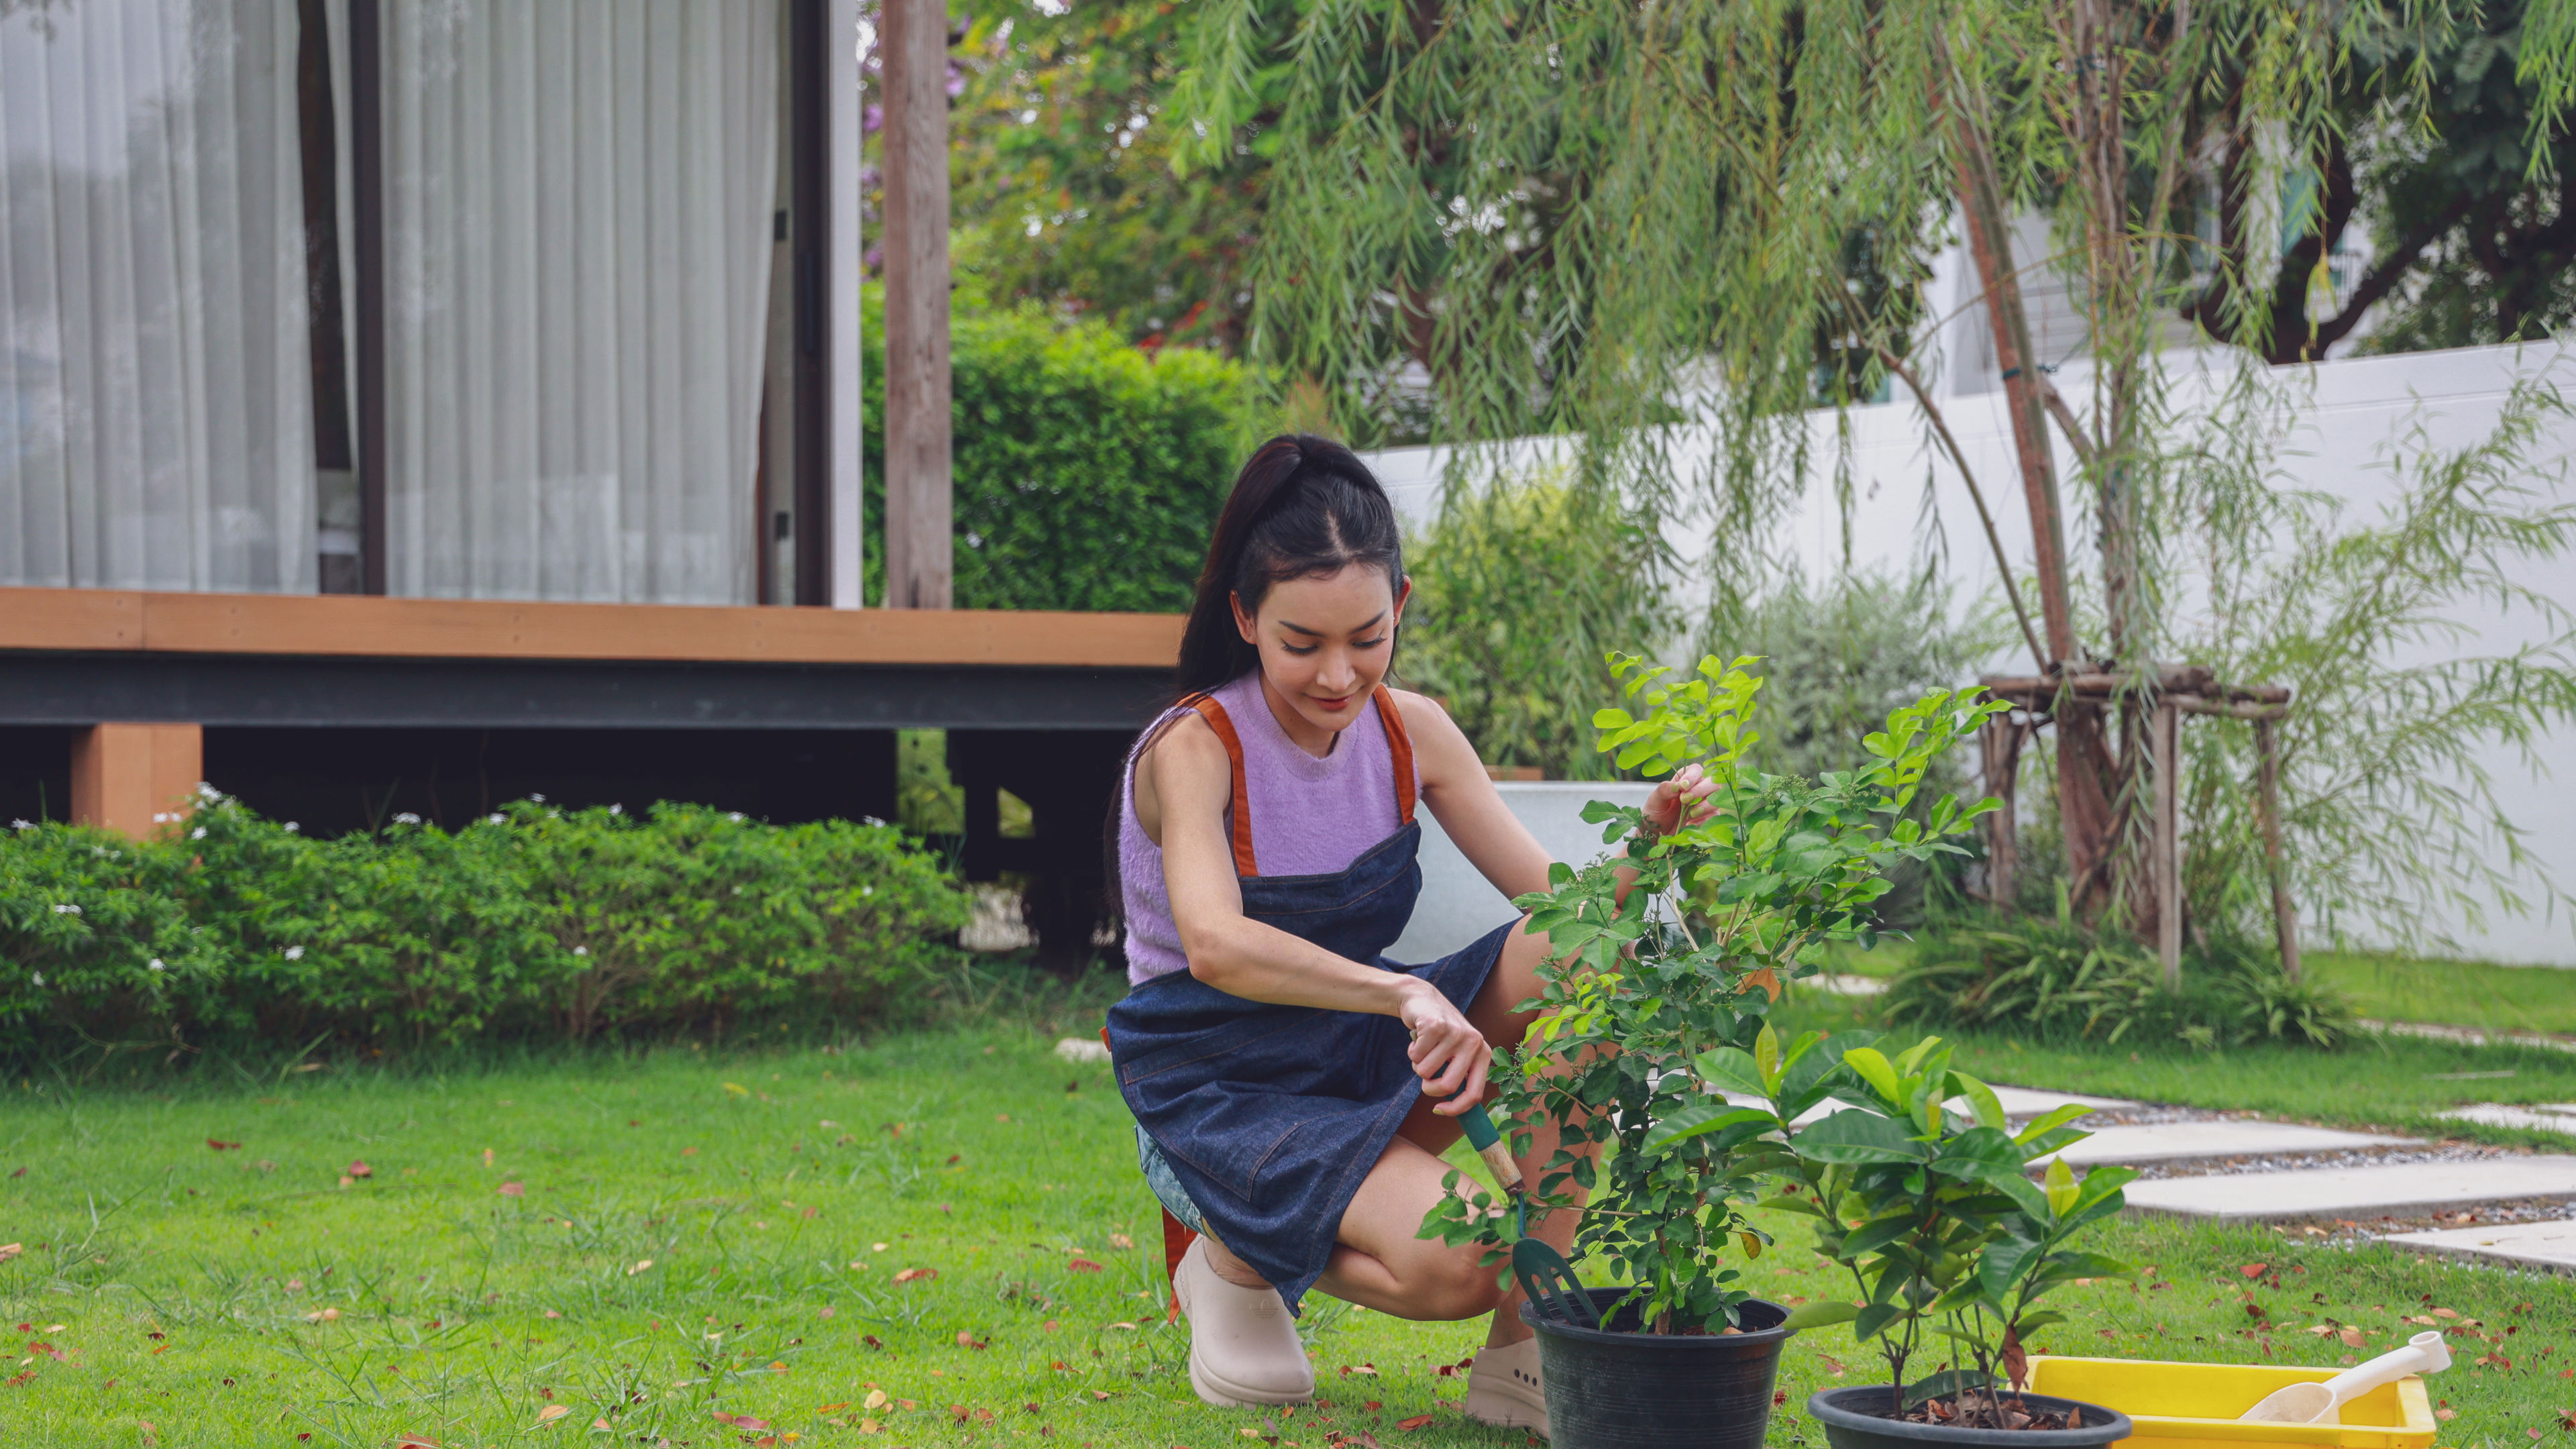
point(919, 510)
point(2285, 917)
point(2001, 737)
point(2166, 872)
point(138, 779)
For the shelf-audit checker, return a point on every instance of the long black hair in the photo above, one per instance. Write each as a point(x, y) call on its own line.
point(1303, 507)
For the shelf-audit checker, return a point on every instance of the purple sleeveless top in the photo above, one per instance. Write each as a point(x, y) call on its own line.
point(1309, 816)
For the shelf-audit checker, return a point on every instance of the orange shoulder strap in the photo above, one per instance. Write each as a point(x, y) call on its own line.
point(1400, 745)
point(1218, 720)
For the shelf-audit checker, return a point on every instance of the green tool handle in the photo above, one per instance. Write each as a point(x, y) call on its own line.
point(1489, 1146)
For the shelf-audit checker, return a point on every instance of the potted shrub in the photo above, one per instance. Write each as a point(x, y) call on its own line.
point(1948, 1241)
point(1720, 913)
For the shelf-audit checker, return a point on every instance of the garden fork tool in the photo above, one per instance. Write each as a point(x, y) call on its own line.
point(1543, 1272)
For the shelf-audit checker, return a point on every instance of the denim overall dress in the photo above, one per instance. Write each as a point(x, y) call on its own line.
point(1265, 1119)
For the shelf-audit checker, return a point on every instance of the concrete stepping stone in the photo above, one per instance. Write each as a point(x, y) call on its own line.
point(2188, 1141)
point(2538, 1117)
point(2550, 1245)
point(2397, 1187)
point(2024, 1103)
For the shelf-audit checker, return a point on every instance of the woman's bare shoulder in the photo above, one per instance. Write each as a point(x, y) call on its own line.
point(1424, 715)
point(1188, 744)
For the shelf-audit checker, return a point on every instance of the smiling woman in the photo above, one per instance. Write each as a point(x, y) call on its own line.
point(1283, 1071)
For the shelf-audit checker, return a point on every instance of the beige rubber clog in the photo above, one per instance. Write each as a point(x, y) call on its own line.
point(1504, 1388)
point(1244, 1350)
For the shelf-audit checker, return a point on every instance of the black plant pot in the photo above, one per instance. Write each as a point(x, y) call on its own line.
point(1621, 1389)
point(1851, 1420)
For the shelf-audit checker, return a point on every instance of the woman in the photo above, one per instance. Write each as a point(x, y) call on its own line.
point(1293, 1089)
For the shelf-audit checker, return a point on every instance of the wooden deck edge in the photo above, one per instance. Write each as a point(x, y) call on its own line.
point(357, 626)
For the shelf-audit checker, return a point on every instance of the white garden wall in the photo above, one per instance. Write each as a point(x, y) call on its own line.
point(2358, 413)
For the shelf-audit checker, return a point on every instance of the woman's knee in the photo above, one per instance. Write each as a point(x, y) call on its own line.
point(1453, 1285)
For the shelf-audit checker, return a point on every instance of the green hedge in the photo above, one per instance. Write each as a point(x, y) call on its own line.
point(1088, 473)
point(530, 923)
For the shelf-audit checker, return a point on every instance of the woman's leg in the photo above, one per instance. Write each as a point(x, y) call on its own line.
point(1380, 1263)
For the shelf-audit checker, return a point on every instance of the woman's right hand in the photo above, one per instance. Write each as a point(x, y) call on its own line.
point(1448, 1053)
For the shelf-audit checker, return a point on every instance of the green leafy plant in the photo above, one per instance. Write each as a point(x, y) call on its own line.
point(1088, 472)
point(2056, 979)
point(1517, 667)
point(1929, 1207)
point(1640, 983)
point(531, 923)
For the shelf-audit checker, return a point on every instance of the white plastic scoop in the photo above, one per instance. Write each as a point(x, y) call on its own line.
point(2323, 1403)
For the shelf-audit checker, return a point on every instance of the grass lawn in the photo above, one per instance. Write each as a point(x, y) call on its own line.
point(2395, 1083)
point(951, 1220)
point(2457, 993)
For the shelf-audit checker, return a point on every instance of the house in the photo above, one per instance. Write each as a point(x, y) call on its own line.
point(406, 404)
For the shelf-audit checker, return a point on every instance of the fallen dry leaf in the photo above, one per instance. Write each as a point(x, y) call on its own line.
point(2351, 1337)
point(11, 1250)
point(1416, 1422)
point(360, 1169)
point(221, 1145)
point(740, 1421)
point(601, 1423)
point(916, 1275)
point(511, 1189)
point(645, 1263)
point(551, 1412)
point(1083, 1265)
point(2255, 1270)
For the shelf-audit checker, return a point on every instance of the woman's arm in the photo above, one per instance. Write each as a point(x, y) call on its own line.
point(1463, 799)
point(1183, 784)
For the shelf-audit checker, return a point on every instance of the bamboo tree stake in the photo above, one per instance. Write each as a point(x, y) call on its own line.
point(2285, 916)
point(2166, 872)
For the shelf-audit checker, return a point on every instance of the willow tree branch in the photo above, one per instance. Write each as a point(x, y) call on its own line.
point(1976, 495)
point(2066, 422)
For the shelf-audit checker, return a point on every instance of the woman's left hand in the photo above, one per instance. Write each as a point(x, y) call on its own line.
point(1679, 801)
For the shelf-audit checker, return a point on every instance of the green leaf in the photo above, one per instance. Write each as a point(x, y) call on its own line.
point(2050, 1123)
point(1858, 1136)
point(1792, 1203)
point(2060, 1182)
point(1701, 1117)
point(1878, 1232)
point(1819, 1315)
point(1731, 1069)
point(1873, 1320)
point(1946, 1383)
point(1766, 1058)
point(1875, 1070)
point(1982, 1102)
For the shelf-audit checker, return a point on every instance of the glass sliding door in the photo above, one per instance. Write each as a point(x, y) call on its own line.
point(578, 201)
point(156, 400)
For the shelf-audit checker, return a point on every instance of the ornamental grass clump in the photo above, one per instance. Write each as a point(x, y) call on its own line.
point(1931, 1210)
point(1637, 993)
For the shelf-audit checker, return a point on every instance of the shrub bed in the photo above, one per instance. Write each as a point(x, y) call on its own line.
point(2059, 980)
point(531, 923)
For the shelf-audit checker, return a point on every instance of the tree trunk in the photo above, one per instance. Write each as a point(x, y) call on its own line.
point(2083, 759)
point(919, 505)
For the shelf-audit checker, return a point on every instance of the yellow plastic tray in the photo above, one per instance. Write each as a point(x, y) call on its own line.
point(2179, 1404)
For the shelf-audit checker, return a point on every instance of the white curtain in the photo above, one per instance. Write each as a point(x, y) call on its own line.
point(577, 216)
point(155, 378)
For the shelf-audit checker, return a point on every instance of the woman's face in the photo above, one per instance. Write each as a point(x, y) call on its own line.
point(1325, 642)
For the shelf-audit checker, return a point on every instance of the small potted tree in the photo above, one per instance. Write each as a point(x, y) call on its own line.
point(1719, 913)
point(1949, 1243)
